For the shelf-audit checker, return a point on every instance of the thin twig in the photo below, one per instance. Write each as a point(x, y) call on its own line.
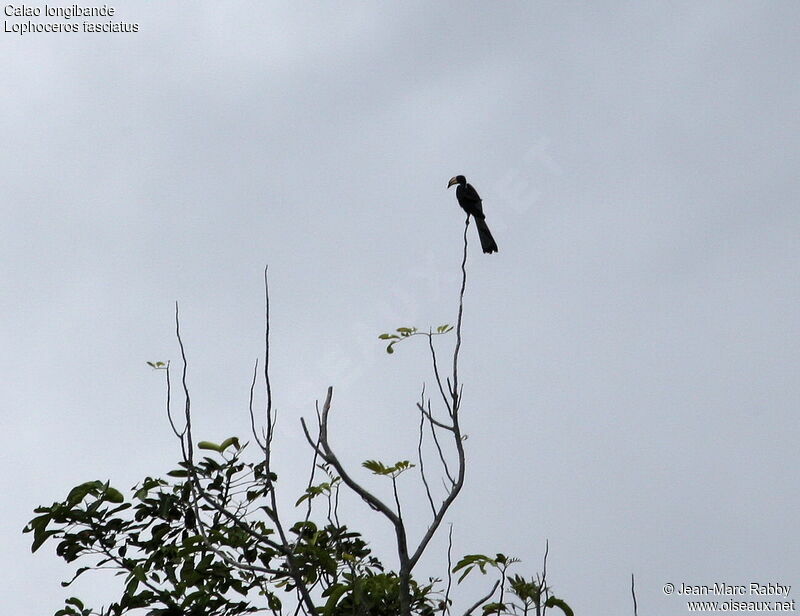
point(326, 453)
point(435, 437)
point(397, 499)
point(633, 594)
point(336, 504)
point(436, 374)
point(269, 424)
point(544, 591)
point(322, 447)
point(261, 444)
point(483, 600)
point(458, 441)
point(454, 388)
point(446, 606)
point(198, 492)
point(544, 561)
point(188, 404)
point(422, 462)
point(433, 420)
point(178, 433)
point(308, 487)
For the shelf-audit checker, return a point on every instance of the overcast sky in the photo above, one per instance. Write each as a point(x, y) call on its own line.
point(630, 355)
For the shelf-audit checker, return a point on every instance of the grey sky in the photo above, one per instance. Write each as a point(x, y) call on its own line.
point(631, 353)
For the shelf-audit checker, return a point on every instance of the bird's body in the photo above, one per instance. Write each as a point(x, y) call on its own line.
point(471, 202)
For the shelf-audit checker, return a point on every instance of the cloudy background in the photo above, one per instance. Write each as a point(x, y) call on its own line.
point(630, 355)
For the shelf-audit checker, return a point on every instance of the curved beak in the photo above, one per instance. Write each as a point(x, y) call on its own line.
point(453, 180)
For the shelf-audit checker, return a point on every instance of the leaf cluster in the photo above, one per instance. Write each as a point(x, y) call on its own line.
point(406, 332)
point(152, 540)
point(531, 596)
point(379, 468)
point(173, 565)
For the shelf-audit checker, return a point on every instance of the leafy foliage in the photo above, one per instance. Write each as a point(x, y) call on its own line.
point(379, 468)
point(208, 540)
point(407, 332)
point(172, 565)
point(530, 596)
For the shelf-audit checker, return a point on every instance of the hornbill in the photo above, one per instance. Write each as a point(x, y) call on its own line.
point(470, 201)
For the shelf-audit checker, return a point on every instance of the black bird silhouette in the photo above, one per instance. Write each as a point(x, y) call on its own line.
point(471, 202)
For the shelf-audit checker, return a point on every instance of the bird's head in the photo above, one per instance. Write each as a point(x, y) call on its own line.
point(457, 179)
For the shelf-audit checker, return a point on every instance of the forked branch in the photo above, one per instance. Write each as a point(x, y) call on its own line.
point(451, 397)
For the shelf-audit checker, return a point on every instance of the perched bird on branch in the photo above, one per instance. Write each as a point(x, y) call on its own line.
point(470, 201)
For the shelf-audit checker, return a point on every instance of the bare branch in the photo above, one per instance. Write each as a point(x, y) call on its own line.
point(422, 463)
point(436, 374)
point(198, 492)
point(311, 481)
point(458, 441)
point(336, 504)
point(302, 588)
point(178, 433)
point(544, 591)
point(430, 417)
point(326, 453)
point(439, 446)
point(373, 501)
point(397, 499)
point(480, 602)
point(262, 445)
point(315, 445)
point(270, 422)
point(188, 404)
point(446, 607)
point(544, 561)
point(322, 447)
point(454, 388)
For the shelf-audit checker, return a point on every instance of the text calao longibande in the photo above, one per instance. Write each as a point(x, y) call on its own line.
point(66, 13)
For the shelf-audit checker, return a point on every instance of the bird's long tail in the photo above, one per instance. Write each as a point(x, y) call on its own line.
point(487, 241)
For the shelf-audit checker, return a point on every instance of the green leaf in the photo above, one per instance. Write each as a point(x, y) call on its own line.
point(470, 561)
point(75, 577)
point(274, 603)
point(494, 608)
point(40, 537)
point(334, 597)
point(307, 496)
point(209, 446)
point(78, 493)
point(114, 496)
point(376, 467)
point(38, 526)
point(147, 485)
point(75, 601)
point(379, 468)
point(554, 602)
point(131, 587)
point(228, 442)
